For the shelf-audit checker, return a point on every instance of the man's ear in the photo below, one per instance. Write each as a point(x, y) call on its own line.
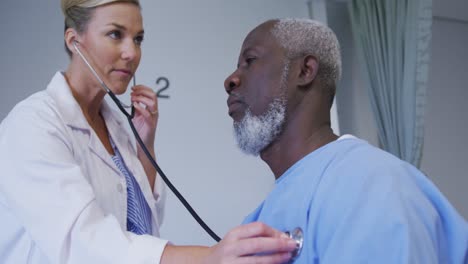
point(70, 36)
point(309, 66)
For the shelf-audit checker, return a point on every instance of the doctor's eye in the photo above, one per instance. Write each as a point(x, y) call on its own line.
point(139, 39)
point(115, 34)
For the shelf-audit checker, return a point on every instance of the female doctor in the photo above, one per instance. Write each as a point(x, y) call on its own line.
point(74, 187)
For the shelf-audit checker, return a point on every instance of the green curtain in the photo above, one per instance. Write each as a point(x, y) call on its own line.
point(394, 39)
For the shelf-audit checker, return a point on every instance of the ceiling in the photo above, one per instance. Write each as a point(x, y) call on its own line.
point(448, 9)
point(451, 9)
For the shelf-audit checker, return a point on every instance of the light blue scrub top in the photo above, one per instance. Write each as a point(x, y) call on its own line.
point(359, 204)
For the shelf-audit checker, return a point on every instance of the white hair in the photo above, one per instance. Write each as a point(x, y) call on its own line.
point(300, 37)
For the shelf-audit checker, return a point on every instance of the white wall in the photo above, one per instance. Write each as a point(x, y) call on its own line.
point(445, 158)
point(445, 154)
point(31, 48)
point(193, 43)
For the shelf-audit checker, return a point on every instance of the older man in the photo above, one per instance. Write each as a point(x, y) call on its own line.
point(354, 202)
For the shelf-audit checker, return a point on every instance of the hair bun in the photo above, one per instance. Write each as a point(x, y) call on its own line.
point(67, 4)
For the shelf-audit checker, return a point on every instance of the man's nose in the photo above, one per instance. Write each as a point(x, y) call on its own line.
point(231, 83)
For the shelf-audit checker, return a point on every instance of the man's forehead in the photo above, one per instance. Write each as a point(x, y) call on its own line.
point(259, 36)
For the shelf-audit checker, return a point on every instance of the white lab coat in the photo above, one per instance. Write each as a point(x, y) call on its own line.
point(62, 199)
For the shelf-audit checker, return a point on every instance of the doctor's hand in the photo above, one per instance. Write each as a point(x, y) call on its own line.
point(146, 113)
point(252, 243)
point(145, 121)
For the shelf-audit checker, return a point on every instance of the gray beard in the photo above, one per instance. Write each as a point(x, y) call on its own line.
point(255, 133)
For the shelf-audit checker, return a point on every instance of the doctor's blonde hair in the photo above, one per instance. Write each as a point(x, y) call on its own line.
point(78, 13)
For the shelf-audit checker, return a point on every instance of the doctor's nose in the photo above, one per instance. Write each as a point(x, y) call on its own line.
point(130, 51)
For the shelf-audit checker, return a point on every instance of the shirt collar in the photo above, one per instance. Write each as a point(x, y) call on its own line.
point(69, 108)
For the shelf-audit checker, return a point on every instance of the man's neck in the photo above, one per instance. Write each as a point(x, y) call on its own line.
point(293, 146)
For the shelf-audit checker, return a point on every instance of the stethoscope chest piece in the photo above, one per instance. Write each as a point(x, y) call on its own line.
point(298, 236)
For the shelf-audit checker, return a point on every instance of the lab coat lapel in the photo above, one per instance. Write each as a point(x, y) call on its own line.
point(72, 115)
point(69, 108)
point(96, 147)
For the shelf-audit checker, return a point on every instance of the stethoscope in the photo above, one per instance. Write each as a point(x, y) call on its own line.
point(296, 234)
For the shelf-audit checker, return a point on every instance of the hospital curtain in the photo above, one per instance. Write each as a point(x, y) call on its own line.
point(394, 39)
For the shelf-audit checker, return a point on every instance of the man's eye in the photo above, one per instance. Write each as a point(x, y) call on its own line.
point(115, 34)
point(249, 60)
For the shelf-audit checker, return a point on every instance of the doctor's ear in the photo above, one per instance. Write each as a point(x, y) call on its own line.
point(71, 37)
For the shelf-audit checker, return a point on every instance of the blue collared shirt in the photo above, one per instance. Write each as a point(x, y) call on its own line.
point(358, 204)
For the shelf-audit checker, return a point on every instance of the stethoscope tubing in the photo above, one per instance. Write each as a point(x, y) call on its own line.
point(145, 150)
point(296, 234)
